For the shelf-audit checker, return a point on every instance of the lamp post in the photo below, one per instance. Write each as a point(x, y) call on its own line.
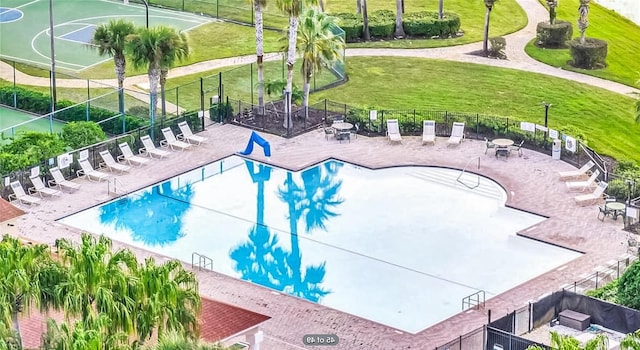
point(546, 119)
point(53, 61)
point(146, 7)
point(629, 185)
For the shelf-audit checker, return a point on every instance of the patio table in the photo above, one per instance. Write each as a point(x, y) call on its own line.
point(502, 146)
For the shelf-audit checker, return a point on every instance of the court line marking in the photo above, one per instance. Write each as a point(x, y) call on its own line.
point(62, 37)
point(27, 4)
point(13, 20)
point(174, 13)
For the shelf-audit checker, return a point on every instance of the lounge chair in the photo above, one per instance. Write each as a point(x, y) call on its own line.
point(111, 163)
point(428, 131)
point(489, 145)
point(171, 141)
point(187, 136)
point(583, 185)
point(565, 175)
point(393, 131)
point(60, 182)
point(20, 196)
point(128, 156)
point(88, 171)
point(597, 194)
point(150, 149)
point(457, 134)
point(40, 189)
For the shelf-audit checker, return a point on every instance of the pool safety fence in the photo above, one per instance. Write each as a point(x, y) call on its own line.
point(474, 340)
point(68, 162)
point(603, 275)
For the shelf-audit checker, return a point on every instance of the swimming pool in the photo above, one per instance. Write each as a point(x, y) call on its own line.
point(410, 241)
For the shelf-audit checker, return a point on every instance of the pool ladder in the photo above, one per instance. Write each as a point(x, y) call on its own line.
point(465, 169)
point(203, 262)
point(113, 185)
point(475, 300)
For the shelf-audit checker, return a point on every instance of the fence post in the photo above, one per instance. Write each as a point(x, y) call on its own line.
point(325, 111)
point(15, 93)
point(251, 75)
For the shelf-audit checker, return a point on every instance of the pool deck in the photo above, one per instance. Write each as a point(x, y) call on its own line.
point(531, 182)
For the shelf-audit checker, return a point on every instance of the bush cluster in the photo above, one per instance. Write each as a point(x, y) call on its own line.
point(40, 103)
point(554, 35)
point(497, 46)
point(382, 24)
point(590, 55)
point(217, 110)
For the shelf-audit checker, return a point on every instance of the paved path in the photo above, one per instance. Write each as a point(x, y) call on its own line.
point(517, 59)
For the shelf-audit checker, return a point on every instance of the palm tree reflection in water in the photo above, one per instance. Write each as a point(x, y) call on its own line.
point(153, 218)
point(261, 260)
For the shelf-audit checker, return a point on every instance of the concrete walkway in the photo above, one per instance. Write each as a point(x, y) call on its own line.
point(517, 59)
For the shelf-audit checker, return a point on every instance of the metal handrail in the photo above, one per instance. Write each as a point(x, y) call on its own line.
point(465, 169)
point(479, 300)
point(115, 186)
point(204, 262)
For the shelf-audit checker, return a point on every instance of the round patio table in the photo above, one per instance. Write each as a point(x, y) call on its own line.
point(342, 126)
point(616, 208)
point(502, 142)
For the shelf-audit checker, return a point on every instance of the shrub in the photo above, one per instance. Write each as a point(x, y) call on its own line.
point(80, 134)
point(220, 110)
point(382, 24)
point(27, 149)
point(591, 55)
point(554, 35)
point(629, 287)
point(352, 26)
point(497, 46)
point(608, 292)
point(139, 111)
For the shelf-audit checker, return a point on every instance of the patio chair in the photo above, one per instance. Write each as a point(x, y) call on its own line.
point(150, 149)
point(88, 171)
point(489, 145)
point(128, 156)
point(565, 175)
point(583, 185)
point(187, 135)
point(20, 196)
point(393, 131)
point(517, 148)
point(428, 131)
point(604, 210)
point(40, 189)
point(328, 131)
point(171, 141)
point(60, 182)
point(111, 163)
point(355, 130)
point(457, 134)
point(597, 194)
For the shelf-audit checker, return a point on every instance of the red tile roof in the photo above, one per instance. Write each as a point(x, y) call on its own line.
point(219, 321)
point(8, 211)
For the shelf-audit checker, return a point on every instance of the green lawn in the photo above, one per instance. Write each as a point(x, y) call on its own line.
point(622, 35)
point(605, 118)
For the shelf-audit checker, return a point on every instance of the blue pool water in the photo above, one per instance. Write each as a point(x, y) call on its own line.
point(399, 246)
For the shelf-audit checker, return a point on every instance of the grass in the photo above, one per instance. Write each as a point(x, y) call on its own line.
point(622, 35)
point(392, 83)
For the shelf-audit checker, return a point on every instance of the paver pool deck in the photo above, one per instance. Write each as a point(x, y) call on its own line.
point(531, 182)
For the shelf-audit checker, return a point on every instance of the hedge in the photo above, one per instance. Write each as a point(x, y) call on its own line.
point(554, 35)
point(382, 24)
point(590, 55)
point(428, 24)
point(351, 24)
point(40, 103)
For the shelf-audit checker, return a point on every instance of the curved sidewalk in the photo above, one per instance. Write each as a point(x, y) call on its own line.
point(517, 59)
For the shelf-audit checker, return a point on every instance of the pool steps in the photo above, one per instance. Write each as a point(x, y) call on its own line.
point(449, 178)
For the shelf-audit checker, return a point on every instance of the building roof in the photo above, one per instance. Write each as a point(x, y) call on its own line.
point(9, 211)
point(220, 321)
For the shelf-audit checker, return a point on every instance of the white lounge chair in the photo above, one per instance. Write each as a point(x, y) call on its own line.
point(20, 196)
point(393, 131)
point(171, 141)
point(592, 197)
point(565, 175)
point(428, 131)
point(150, 149)
point(40, 189)
point(457, 134)
point(111, 163)
point(187, 135)
point(583, 185)
point(60, 182)
point(88, 171)
point(128, 156)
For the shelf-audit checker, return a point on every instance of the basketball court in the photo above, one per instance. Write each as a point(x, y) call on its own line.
point(25, 34)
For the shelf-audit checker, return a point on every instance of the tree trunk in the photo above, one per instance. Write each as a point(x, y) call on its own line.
point(321, 4)
point(16, 327)
point(259, 53)
point(163, 81)
point(291, 60)
point(154, 77)
point(485, 42)
point(120, 63)
point(365, 21)
point(305, 98)
point(441, 9)
point(358, 7)
point(399, 33)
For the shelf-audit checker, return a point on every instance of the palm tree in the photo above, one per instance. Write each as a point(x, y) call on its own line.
point(19, 288)
point(258, 5)
point(175, 48)
point(148, 48)
point(97, 281)
point(110, 40)
point(175, 341)
point(399, 32)
point(292, 8)
point(319, 47)
point(365, 22)
point(91, 334)
point(489, 6)
point(440, 9)
point(552, 10)
point(583, 20)
point(567, 342)
point(631, 341)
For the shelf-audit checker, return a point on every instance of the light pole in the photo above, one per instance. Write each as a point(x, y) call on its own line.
point(53, 61)
point(629, 185)
point(546, 119)
point(146, 7)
